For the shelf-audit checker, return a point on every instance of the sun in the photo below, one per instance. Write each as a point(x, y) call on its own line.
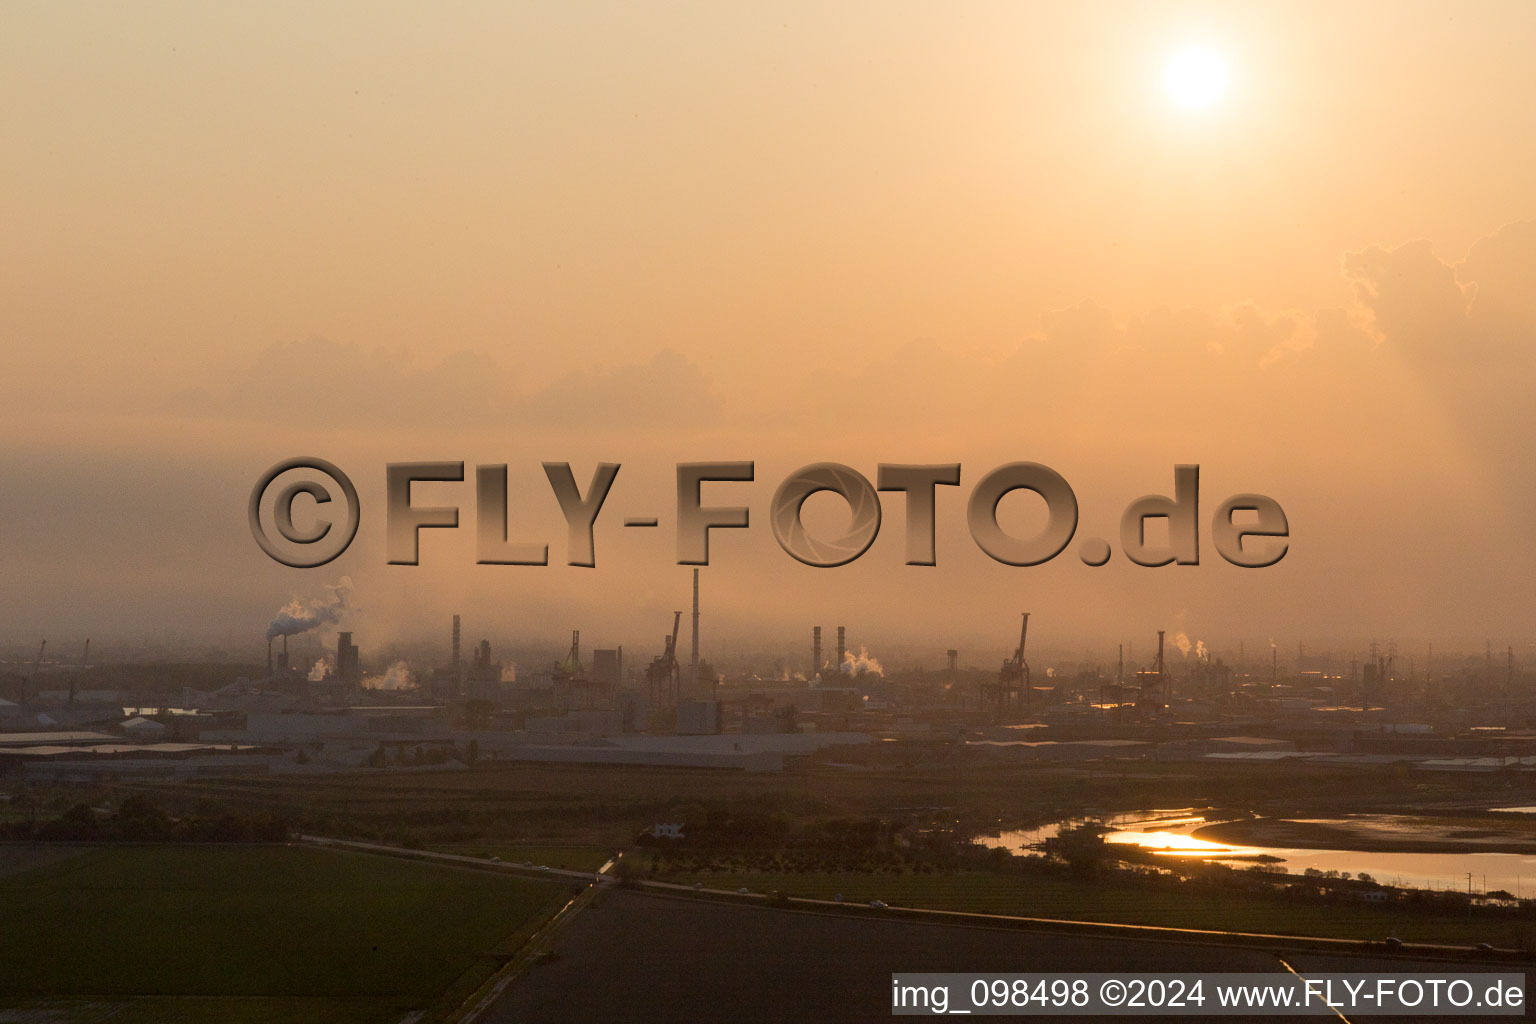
point(1196, 77)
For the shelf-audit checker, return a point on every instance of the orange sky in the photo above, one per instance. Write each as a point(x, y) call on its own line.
point(789, 233)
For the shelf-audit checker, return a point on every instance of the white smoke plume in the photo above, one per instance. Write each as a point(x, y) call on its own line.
point(299, 616)
point(396, 677)
point(318, 670)
point(861, 664)
point(1201, 652)
point(1181, 641)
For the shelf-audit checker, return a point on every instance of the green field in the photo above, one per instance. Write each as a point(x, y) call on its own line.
point(238, 933)
point(1030, 895)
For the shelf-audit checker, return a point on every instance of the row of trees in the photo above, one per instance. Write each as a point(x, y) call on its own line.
point(139, 819)
point(722, 840)
point(420, 755)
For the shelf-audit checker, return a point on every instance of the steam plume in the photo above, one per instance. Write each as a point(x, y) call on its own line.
point(861, 664)
point(299, 616)
point(396, 677)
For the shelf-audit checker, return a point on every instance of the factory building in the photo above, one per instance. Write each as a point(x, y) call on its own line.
point(349, 668)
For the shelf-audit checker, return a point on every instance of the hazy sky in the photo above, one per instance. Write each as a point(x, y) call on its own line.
point(782, 232)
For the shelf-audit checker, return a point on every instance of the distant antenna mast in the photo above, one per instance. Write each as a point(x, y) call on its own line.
point(1162, 677)
point(26, 690)
point(693, 661)
point(85, 660)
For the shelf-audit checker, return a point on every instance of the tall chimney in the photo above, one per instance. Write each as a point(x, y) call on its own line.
point(842, 648)
point(455, 661)
point(269, 657)
point(693, 661)
point(815, 652)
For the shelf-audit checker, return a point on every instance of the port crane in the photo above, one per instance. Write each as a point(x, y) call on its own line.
point(663, 672)
point(1010, 694)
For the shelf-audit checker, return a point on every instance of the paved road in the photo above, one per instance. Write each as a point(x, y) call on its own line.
point(482, 863)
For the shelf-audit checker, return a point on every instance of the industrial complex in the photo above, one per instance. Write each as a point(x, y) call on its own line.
point(337, 711)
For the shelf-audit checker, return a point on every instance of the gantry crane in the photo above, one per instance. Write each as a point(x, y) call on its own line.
point(1010, 694)
point(663, 672)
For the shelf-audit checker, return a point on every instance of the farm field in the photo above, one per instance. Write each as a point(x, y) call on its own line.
point(236, 933)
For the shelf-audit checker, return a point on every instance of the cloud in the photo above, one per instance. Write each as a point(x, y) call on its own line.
point(326, 383)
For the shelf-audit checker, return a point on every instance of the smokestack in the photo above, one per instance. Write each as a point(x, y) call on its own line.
point(953, 657)
point(1024, 684)
point(269, 657)
point(693, 661)
point(842, 648)
point(815, 651)
point(455, 661)
point(284, 661)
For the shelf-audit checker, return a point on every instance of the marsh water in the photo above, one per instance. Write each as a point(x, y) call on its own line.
point(1169, 832)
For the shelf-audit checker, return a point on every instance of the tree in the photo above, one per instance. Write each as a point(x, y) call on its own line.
point(1082, 847)
point(79, 822)
point(139, 818)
